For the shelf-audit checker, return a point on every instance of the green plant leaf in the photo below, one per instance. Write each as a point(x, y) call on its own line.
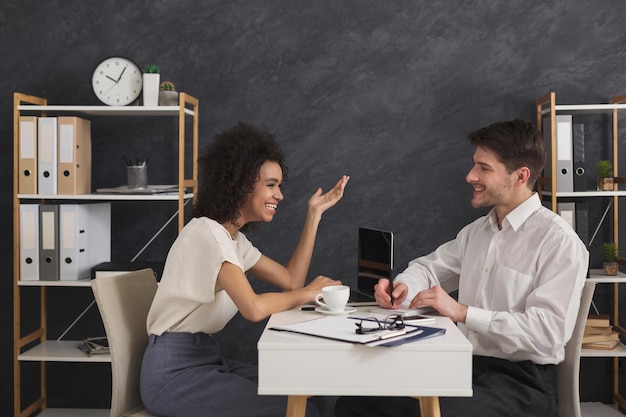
point(151, 69)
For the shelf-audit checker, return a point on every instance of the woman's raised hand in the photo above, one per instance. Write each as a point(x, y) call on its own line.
point(319, 203)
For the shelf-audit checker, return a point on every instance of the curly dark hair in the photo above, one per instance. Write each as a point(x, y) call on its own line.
point(229, 170)
point(517, 143)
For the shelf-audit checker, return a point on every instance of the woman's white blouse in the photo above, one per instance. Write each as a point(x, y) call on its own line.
point(189, 297)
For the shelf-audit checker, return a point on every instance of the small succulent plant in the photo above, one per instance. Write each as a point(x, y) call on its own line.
point(604, 169)
point(609, 252)
point(151, 69)
point(167, 86)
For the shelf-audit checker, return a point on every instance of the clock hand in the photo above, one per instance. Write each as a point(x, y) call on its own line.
point(112, 79)
point(110, 88)
point(122, 73)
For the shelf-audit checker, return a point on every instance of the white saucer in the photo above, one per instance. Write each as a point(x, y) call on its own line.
point(324, 310)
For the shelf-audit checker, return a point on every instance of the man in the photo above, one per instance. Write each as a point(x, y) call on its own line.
point(520, 271)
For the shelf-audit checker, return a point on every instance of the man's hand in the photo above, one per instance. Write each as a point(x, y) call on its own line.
point(441, 301)
point(381, 293)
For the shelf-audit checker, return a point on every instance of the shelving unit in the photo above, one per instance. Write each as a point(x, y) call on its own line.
point(547, 188)
point(35, 346)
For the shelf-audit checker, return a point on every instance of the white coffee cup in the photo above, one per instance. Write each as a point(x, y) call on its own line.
point(335, 298)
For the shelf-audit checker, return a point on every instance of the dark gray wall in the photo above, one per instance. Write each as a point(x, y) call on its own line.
point(385, 91)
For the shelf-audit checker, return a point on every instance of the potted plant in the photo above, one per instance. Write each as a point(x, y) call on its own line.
point(609, 257)
point(604, 172)
point(151, 79)
point(168, 96)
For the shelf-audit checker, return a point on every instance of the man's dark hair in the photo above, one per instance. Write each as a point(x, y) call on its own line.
point(517, 143)
point(229, 170)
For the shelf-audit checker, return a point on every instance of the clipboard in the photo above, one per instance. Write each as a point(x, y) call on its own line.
point(343, 329)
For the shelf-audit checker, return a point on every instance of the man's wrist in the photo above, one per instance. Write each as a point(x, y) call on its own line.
point(462, 316)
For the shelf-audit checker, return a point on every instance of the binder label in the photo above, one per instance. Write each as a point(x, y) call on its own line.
point(29, 230)
point(47, 143)
point(68, 237)
point(47, 230)
point(27, 140)
point(66, 142)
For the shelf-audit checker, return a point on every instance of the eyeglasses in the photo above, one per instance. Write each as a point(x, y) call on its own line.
point(372, 324)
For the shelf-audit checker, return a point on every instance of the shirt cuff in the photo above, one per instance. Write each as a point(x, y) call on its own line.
point(478, 319)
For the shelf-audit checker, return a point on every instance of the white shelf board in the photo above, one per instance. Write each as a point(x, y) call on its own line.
point(85, 282)
point(597, 409)
point(107, 110)
point(585, 108)
point(60, 351)
point(583, 194)
point(618, 351)
point(589, 108)
point(106, 197)
point(597, 276)
point(75, 412)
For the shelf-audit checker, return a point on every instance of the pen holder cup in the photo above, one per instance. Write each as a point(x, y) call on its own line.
point(137, 176)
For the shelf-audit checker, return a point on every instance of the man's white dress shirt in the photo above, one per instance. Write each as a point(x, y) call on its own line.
point(522, 284)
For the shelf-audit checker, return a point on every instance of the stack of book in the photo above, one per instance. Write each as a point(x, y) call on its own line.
point(599, 333)
point(94, 345)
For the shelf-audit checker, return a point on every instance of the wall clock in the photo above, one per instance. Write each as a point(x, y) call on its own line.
point(117, 81)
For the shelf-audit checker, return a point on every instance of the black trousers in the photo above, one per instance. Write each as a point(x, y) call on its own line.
point(501, 389)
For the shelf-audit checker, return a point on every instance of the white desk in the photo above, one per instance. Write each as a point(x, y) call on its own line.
point(298, 365)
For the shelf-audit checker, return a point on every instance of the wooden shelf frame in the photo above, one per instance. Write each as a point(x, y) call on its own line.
point(65, 351)
point(547, 186)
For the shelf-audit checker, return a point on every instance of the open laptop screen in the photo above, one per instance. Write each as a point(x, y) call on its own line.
point(375, 258)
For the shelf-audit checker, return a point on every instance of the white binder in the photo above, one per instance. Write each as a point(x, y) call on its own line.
point(564, 152)
point(568, 212)
point(84, 238)
point(47, 153)
point(29, 242)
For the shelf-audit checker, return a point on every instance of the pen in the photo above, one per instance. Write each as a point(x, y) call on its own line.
point(307, 308)
point(392, 334)
point(393, 302)
point(416, 317)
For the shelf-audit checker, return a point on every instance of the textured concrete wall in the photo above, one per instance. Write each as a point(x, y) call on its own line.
point(385, 91)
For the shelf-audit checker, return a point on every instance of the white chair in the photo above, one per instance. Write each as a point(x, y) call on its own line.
point(567, 371)
point(124, 301)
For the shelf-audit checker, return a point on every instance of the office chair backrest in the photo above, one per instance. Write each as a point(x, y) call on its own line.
point(567, 372)
point(124, 301)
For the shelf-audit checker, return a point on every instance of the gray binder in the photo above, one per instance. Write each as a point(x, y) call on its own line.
point(48, 242)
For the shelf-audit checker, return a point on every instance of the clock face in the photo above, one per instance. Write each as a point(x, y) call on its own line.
point(117, 81)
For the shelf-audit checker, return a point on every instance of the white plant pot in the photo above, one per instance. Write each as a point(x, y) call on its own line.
point(151, 89)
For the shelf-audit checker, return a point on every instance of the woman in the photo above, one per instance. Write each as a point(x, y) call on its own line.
point(204, 282)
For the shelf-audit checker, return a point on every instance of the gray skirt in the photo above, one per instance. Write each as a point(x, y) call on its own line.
point(185, 375)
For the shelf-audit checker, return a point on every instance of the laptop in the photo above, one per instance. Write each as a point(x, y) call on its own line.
point(374, 261)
